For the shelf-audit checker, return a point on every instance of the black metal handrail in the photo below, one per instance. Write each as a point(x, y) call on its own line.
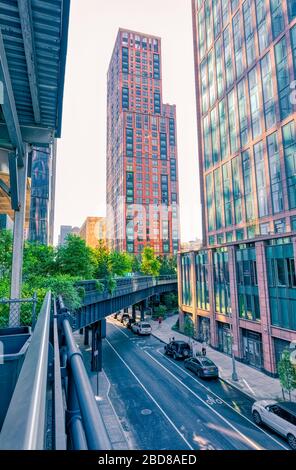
point(84, 419)
point(24, 425)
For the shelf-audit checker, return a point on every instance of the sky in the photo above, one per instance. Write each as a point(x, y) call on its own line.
point(81, 155)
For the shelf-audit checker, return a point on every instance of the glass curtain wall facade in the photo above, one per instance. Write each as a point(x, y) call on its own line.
point(245, 64)
point(42, 200)
point(142, 158)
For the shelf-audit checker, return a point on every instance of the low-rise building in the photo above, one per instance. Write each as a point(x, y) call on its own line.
point(93, 230)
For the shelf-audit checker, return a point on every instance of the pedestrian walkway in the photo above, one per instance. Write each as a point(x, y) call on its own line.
point(101, 386)
point(251, 381)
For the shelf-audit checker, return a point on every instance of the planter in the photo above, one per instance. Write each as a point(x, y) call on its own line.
point(14, 343)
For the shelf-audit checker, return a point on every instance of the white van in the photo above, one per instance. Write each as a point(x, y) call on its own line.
point(279, 416)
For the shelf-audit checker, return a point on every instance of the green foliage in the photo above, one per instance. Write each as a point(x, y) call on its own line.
point(120, 263)
point(100, 287)
point(111, 284)
point(287, 372)
point(188, 327)
point(75, 258)
point(39, 260)
point(168, 265)
point(159, 311)
point(150, 264)
point(170, 300)
point(100, 256)
point(176, 326)
point(5, 252)
point(136, 264)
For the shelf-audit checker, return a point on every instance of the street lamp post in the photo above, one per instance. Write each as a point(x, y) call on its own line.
point(234, 375)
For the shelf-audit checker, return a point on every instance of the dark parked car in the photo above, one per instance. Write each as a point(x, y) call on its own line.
point(128, 322)
point(203, 367)
point(178, 349)
point(121, 316)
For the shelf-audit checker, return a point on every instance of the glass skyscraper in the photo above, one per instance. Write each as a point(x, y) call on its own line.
point(239, 290)
point(245, 64)
point(142, 169)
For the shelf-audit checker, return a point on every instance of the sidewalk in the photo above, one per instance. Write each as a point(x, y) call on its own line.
point(119, 438)
point(252, 382)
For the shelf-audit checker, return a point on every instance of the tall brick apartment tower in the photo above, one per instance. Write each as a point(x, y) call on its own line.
point(142, 169)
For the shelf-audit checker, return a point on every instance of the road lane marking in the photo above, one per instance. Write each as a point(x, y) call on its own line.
point(247, 439)
point(119, 329)
point(225, 403)
point(152, 398)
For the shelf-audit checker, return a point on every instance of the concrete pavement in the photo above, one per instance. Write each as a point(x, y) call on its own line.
point(252, 382)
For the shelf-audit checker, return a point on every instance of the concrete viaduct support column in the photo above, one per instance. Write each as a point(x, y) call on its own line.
point(294, 247)
point(18, 239)
point(134, 312)
point(98, 333)
point(268, 356)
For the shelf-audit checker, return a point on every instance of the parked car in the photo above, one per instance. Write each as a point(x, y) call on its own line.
point(203, 367)
point(141, 328)
point(128, 322)
point(178, 349)
point(279, 416)
point(121, 315)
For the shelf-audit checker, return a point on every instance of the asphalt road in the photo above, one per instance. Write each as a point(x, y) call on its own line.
point(164, 406)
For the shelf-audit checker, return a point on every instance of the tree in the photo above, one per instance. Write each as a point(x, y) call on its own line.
point(168, 265)
point(101, 259)
point(136, 264)
point(75, 258)
point(287, 372)
point(39, 260)
point(5, 252)
point(119, 263)
point(150, 264)
point(188, 327)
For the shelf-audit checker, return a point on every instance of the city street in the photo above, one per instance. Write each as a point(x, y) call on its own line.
point(163, 406)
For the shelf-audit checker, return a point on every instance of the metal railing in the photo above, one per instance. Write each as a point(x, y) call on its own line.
point(24, 425)
point(86, 429)
point(18, 312)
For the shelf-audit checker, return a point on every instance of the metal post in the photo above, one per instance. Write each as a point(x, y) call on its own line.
point(134, 313)
point(86, 336)
point(18, 241)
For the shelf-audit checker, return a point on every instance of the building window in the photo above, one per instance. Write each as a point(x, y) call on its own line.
point(221, 282)
point(209, 23)
point(238, 44)
point(207, 143)
point(237, 191)
point(157, 107)
point(210, 202)
point(243, 112)
point(232, 121)
point(156, 67)
point(291, 9)
point(202, 290)
point(249, 31)
point(263, 35)
point(249, 195)
point(204, 85)
point(228, 57)
point(201, 33)
point(254, 102)
point(219, 67)
point(280, 226)
point(247, 281)
point(275, 173)
point(218, 198)
point(277, 17)
point(224, 149)
point(283, 78)
point(216, 18)
point(163, 146)
point(226, 171)
point(125, 98)
point(268, 92)
point(289, 144)
point(185, 273)
point(215, 140)
point(261, 180)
